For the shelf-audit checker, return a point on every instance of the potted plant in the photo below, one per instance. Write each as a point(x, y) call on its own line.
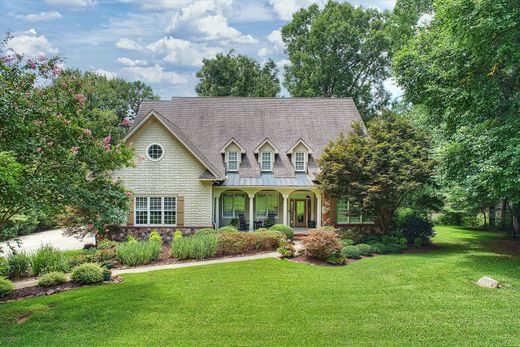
point(312, 224)
point(107, 272)
point(268, 222)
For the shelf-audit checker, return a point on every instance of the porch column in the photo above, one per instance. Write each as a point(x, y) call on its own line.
point(251, 211)
point(217, 210)
point(285, 198)
point(318, 210)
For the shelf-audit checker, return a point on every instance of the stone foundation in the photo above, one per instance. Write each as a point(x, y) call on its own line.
point(119, 233)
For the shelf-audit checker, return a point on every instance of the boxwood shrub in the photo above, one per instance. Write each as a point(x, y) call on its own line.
point(228, 228)
point(366, 250)
point(351, 252)
point(87, 273)
point(379, 248)
point(289, 233)
point(51, 279)
point(6, 286)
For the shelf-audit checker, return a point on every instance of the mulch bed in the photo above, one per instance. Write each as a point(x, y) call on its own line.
point(28, 292)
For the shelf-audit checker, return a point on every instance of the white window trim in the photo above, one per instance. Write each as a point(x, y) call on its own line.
point(227, 161)
point(148, 148)
point(361, 219)
point(270, 161)
point(148, 211)
point(305, 161)
point(234, 215)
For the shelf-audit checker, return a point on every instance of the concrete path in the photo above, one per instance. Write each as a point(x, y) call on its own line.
point(55, 238)
point(34, 282)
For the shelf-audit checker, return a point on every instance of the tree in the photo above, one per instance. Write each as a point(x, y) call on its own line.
point(377, 170)
point(340, 51)
point(464, 70)
point(56, 153)
point(237, 75)
point(116, 94)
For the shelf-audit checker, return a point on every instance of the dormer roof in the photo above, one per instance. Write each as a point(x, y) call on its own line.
point(230, 142)
point(303, 143)
point(266, 141)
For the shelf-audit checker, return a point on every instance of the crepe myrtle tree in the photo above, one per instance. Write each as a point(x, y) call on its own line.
point(54, 151)
point(377, 169)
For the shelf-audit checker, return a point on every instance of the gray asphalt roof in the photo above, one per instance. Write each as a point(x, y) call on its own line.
point(208, 123)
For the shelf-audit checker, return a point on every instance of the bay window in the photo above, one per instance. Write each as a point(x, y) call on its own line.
point(155, 210)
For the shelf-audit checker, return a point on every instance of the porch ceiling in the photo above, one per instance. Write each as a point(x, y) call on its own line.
point(268, 180)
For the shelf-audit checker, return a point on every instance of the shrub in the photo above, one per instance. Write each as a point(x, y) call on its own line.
point(76, 260)
point(289, 233)
point(177, 235)
point(379, 248)
point(6, 286)
point(48, 259)
point(234, 222)
point(227, 229)
point(206, 231)
point(19, 265)
point(413, 226)
point(199, 246)
point(336, 259)
point(104, 255)
point(355, 236)
point(365, 250)
point(351, 252)
point(261, 230)
point(232, 243)
point(321, 244)
point(417, 242)
point(155, 236)
point(286, 250)
point(106, 244)
point(130, 239)
point(328, 228)
point(51, 279)
point(394, 248)
point(347, 242)
point(4, 267)
point(138, 253)
point(403, 241)
point(87, 273)
point(387, 239)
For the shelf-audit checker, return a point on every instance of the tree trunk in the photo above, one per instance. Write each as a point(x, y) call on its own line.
point(515, 213)
point(503, 213)
point(485, 219)
point(492, 217)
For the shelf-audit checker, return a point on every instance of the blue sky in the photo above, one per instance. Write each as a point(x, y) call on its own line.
point(161, 42)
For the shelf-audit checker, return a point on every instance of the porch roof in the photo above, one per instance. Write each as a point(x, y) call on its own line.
point(268, 180)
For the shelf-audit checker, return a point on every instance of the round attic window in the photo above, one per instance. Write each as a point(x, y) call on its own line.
point(155, 152)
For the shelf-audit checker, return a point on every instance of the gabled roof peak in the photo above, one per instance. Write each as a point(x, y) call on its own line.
point(235, 142)
point(300, 141)
point(257, 149)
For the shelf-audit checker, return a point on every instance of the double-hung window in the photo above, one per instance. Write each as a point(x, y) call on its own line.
point(299, 161)
point(266, 203)
point(266, 161)
point(155, 210)
point(346, 214)
point(232, 161)
point(233, 204)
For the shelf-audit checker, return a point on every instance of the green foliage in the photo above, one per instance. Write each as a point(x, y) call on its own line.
point(377, 169)
point(206, 231)
point(227, 229)
point(155, 236)
point(347, 242)
point(286, 250)
point(57, 141)
point(364, 249)
point(234, 222)
point(19, 265)
point(379, 248)
point(356, 235)
point(87, 273)
point(234, 242)
point(412, 226)
point(106, 244)
point(177, 235)
point(394, 248)
point(262, 230)
point(321, 244)
point(48, 259)
point(138, 253)
point(198, 246)
point(6, 286)
point(289, 233)
point(418, 242)
point(339, 51)
point(336, 259)
point(237, 75)
point(52, 279)
point(351, 252)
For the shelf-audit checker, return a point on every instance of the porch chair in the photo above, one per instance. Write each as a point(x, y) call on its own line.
point(270, 217)
point(242, 224)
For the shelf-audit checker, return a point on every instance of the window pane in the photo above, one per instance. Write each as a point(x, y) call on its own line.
point(299, 161)
point(341, 211)
point(155, 152)
point(266, 161)
point(170, 204)
point(272, 203)
point(141, 203)
point(239, 203)
point(141, 217)
point(232, 165)
point(169, 217)
point(261, 206)
point(155, 204)
point(227, 208)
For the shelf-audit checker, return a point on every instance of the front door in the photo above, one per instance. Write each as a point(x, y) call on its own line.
point(300, 213)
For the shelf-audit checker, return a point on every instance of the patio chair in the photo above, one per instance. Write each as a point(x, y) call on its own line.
point(242, 224)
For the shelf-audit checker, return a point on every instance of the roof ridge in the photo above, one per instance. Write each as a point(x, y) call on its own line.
point(260, 98)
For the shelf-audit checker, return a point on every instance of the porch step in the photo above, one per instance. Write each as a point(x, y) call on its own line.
point(299, 236)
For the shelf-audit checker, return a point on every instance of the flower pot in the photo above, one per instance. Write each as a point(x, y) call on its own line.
point(107, 275)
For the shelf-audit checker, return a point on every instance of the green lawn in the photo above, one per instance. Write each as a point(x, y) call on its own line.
point(406, 299)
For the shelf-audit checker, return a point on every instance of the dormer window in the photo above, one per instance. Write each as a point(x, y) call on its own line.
point(266, 162)
point(232, 161)
point(300, 162)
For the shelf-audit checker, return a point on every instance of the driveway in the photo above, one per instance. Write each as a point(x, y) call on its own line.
point(54, 238)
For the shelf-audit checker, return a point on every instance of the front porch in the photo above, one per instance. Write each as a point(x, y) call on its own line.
point(262, 207)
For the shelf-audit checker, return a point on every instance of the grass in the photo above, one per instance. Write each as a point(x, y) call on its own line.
point(400, 299)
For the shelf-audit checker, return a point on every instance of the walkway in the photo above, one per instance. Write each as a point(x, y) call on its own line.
point(34, 282)
point(54, 238)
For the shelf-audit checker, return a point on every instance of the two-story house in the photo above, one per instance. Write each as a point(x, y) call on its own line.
point(203, 161)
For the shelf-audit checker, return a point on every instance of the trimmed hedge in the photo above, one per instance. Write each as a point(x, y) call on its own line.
point(226, 229)
point(351, 252)
point(87, 273)
point(233, 243)
point(51, 279)
point(289, 233)
point(364, 249)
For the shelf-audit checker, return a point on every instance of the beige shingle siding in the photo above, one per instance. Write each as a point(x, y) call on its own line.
point(177, 173)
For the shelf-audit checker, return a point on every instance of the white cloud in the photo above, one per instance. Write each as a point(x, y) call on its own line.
point(30, 44)
point(263, 52)
point(129, 45)
point(285, 8)
point(281, 63)
point(275, 37)
point(206, 19)
point(159, 4)
point(72, 3)
point(391, 85)
point(182, 52)
point(130, 62)
point(109, 75)
point(153, 74)
point(38, 17)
